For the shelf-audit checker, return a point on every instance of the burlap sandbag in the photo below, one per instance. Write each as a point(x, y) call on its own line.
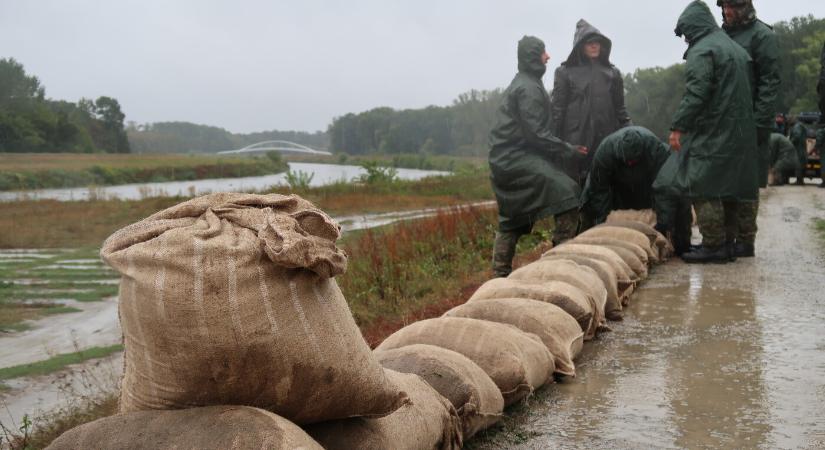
point(605, 271)
point(647, 216)
point(624, 234)
point(428, 422)
point(613, 242)
point(462, 382)
point(559, 332)
point(517, 362)
point(630, 258)
point(595, 251)
point(574, 301)
point(211, 427)
point(582, 277)
point(660, 241)
point(228, 299)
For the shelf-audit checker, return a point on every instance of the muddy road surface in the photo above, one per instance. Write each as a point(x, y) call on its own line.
point(715, 356)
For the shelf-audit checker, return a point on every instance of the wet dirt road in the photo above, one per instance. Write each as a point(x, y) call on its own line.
point(717, 356)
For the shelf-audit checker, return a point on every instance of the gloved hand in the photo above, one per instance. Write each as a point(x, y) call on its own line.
point(762, 136)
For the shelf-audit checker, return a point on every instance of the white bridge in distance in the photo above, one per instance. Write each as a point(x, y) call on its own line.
point(275, 146)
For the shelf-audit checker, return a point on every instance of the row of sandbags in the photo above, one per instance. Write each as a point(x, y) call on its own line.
point(236, 335)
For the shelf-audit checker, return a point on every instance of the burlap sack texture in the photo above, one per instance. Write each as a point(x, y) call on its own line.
point(462, 382)
point(640, 252)
point(660, 241)
point(560, 333)
point(211, 427)
point(582, 277)
point(595, 251)
point(517, 362)
point(628, 256)
point(646, 216)
point(623, 234)
point(428, 422)
point(228, 299)
point(571, 299)
point(605, 271)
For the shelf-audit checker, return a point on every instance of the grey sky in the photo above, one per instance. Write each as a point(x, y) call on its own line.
point(259, 65)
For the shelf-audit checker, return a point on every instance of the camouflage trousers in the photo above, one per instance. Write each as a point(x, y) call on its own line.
point(746, 221)
point(717, 221)
point(504, 249)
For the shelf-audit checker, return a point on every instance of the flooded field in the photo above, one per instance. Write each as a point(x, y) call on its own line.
point(716, 356)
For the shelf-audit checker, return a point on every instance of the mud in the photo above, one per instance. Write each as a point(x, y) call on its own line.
point(719, 356)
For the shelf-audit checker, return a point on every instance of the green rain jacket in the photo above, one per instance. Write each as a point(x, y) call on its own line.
point(799, 139)
point(783, 153)
point(715, 114)
point(622, 174)
point(525, 157)
point(761, 43)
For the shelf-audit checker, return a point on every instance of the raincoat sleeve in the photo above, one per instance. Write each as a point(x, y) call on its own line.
point(559, 101)
point(766, 61)
point(698, 90)
point(532, 108)
point(618, 101)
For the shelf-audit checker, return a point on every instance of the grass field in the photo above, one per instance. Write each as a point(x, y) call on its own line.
point(20, 171)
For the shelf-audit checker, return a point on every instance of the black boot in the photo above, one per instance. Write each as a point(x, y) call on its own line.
point(719, 254)
point(504, 249)
point(744, 250)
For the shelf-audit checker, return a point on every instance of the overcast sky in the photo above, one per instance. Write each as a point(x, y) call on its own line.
point(259, 65)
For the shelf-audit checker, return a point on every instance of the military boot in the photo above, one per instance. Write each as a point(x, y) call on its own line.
point(744, 250)
point(704, 254)
point(504, 250)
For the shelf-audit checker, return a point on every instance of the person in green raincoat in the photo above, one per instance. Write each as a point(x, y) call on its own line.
point(784, 162)
point(799, 139)
point(761, 43)
point(588, 95)
point(820, 87)
point(715, 129)
point(820, 147)
point(525, 161)
point(622, 173)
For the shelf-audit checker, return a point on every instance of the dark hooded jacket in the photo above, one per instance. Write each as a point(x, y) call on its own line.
point(761, 43)
point(524, 153)
point(783, 154)
point(588, 96)
point(820, 87)
point(799, 139)
point(622, 174)
point(715, 114)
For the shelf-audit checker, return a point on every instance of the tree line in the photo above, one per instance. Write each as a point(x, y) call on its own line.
point(29, 122)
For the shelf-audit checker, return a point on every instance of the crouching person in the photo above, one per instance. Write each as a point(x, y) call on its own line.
point(526, 159)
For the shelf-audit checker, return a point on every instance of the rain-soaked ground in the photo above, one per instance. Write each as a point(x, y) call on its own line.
point(717, 356)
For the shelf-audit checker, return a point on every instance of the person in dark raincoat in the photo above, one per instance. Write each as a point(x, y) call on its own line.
point(784, 162)
point(761, 43)
point(588, 95)
point(524, 161)
point(799, 139)
point(622, 174)
point(715, 128)
point(820, 147)
point(820, 87)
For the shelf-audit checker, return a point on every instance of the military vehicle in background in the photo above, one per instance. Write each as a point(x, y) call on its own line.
point(811, 122)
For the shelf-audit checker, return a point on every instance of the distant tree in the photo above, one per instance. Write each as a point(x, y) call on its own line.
point(653, 95)
point(800, 44)
point(114, 138)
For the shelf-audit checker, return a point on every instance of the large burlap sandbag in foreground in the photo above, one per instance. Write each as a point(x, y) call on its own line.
point(559, 332)
point(517, 362)
point(604, 270)
point(566, 296)
point(211, 427)
point(228, 299)
point(428, 422)
point(462, 382)
point(582, 277)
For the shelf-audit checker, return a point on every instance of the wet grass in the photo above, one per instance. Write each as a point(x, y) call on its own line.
point(29, 289)
point(819, 226)
point(57, 362)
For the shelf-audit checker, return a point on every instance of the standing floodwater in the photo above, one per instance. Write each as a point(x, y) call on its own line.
point(713, 356)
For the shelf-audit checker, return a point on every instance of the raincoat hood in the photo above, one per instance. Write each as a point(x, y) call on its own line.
point(632, 148)
point(696, 22)
point(585, 32)
point(747, 13)
point(530, 49)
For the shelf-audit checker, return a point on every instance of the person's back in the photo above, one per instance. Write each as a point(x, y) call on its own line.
point(799, 139)
point(622, 173)
point(588, 95)
point(783, 159)
point(524, 155)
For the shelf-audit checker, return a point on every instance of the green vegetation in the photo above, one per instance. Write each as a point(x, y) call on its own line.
point(31, 123)
point(38, 171)
point(58, 362)
point(185, 137)
point(819, 226)
point(33, 285)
